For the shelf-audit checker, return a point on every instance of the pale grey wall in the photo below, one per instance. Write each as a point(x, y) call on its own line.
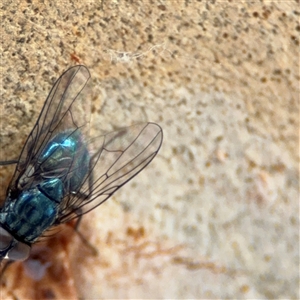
point(219, 205)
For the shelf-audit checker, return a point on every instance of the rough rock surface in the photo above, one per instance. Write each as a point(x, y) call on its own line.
point(216, 214)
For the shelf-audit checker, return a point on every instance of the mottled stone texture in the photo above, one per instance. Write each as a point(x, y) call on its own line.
point(216, 215)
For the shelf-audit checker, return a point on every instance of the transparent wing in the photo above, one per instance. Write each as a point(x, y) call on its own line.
point(63, 109)
point(97, 166)
point(115, 159)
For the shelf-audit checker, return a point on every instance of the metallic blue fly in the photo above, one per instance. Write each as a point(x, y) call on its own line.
point(63, 172)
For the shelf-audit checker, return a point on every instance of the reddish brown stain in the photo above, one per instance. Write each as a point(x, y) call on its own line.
point(75, 58)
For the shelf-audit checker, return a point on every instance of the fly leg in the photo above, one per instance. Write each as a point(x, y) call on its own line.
point(79, 212)
point(8, 162)
point(92, 248)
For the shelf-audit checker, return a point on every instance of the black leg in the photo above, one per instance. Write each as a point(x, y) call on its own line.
point(8, 162)
point(84, 240)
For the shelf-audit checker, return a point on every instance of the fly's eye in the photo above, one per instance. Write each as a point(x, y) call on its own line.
point(20, 251)
point(13, 249)
point(5, 239)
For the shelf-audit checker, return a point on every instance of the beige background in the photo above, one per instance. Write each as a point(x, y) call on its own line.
point(216, 214)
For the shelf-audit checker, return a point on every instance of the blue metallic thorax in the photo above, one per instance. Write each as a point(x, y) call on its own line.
point(63, 165)
point(66, 157)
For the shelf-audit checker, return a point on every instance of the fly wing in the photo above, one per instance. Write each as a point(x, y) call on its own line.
point(115, 159)
point(64, 109)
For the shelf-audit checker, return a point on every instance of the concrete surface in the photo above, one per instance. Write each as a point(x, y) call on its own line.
point(216, 214)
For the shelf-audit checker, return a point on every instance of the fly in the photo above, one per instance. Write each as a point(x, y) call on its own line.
point(63, 172)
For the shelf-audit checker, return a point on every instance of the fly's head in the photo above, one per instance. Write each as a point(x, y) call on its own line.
point(12, 249)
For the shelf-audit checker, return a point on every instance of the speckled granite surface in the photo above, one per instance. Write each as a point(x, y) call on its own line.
point(216, 215)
